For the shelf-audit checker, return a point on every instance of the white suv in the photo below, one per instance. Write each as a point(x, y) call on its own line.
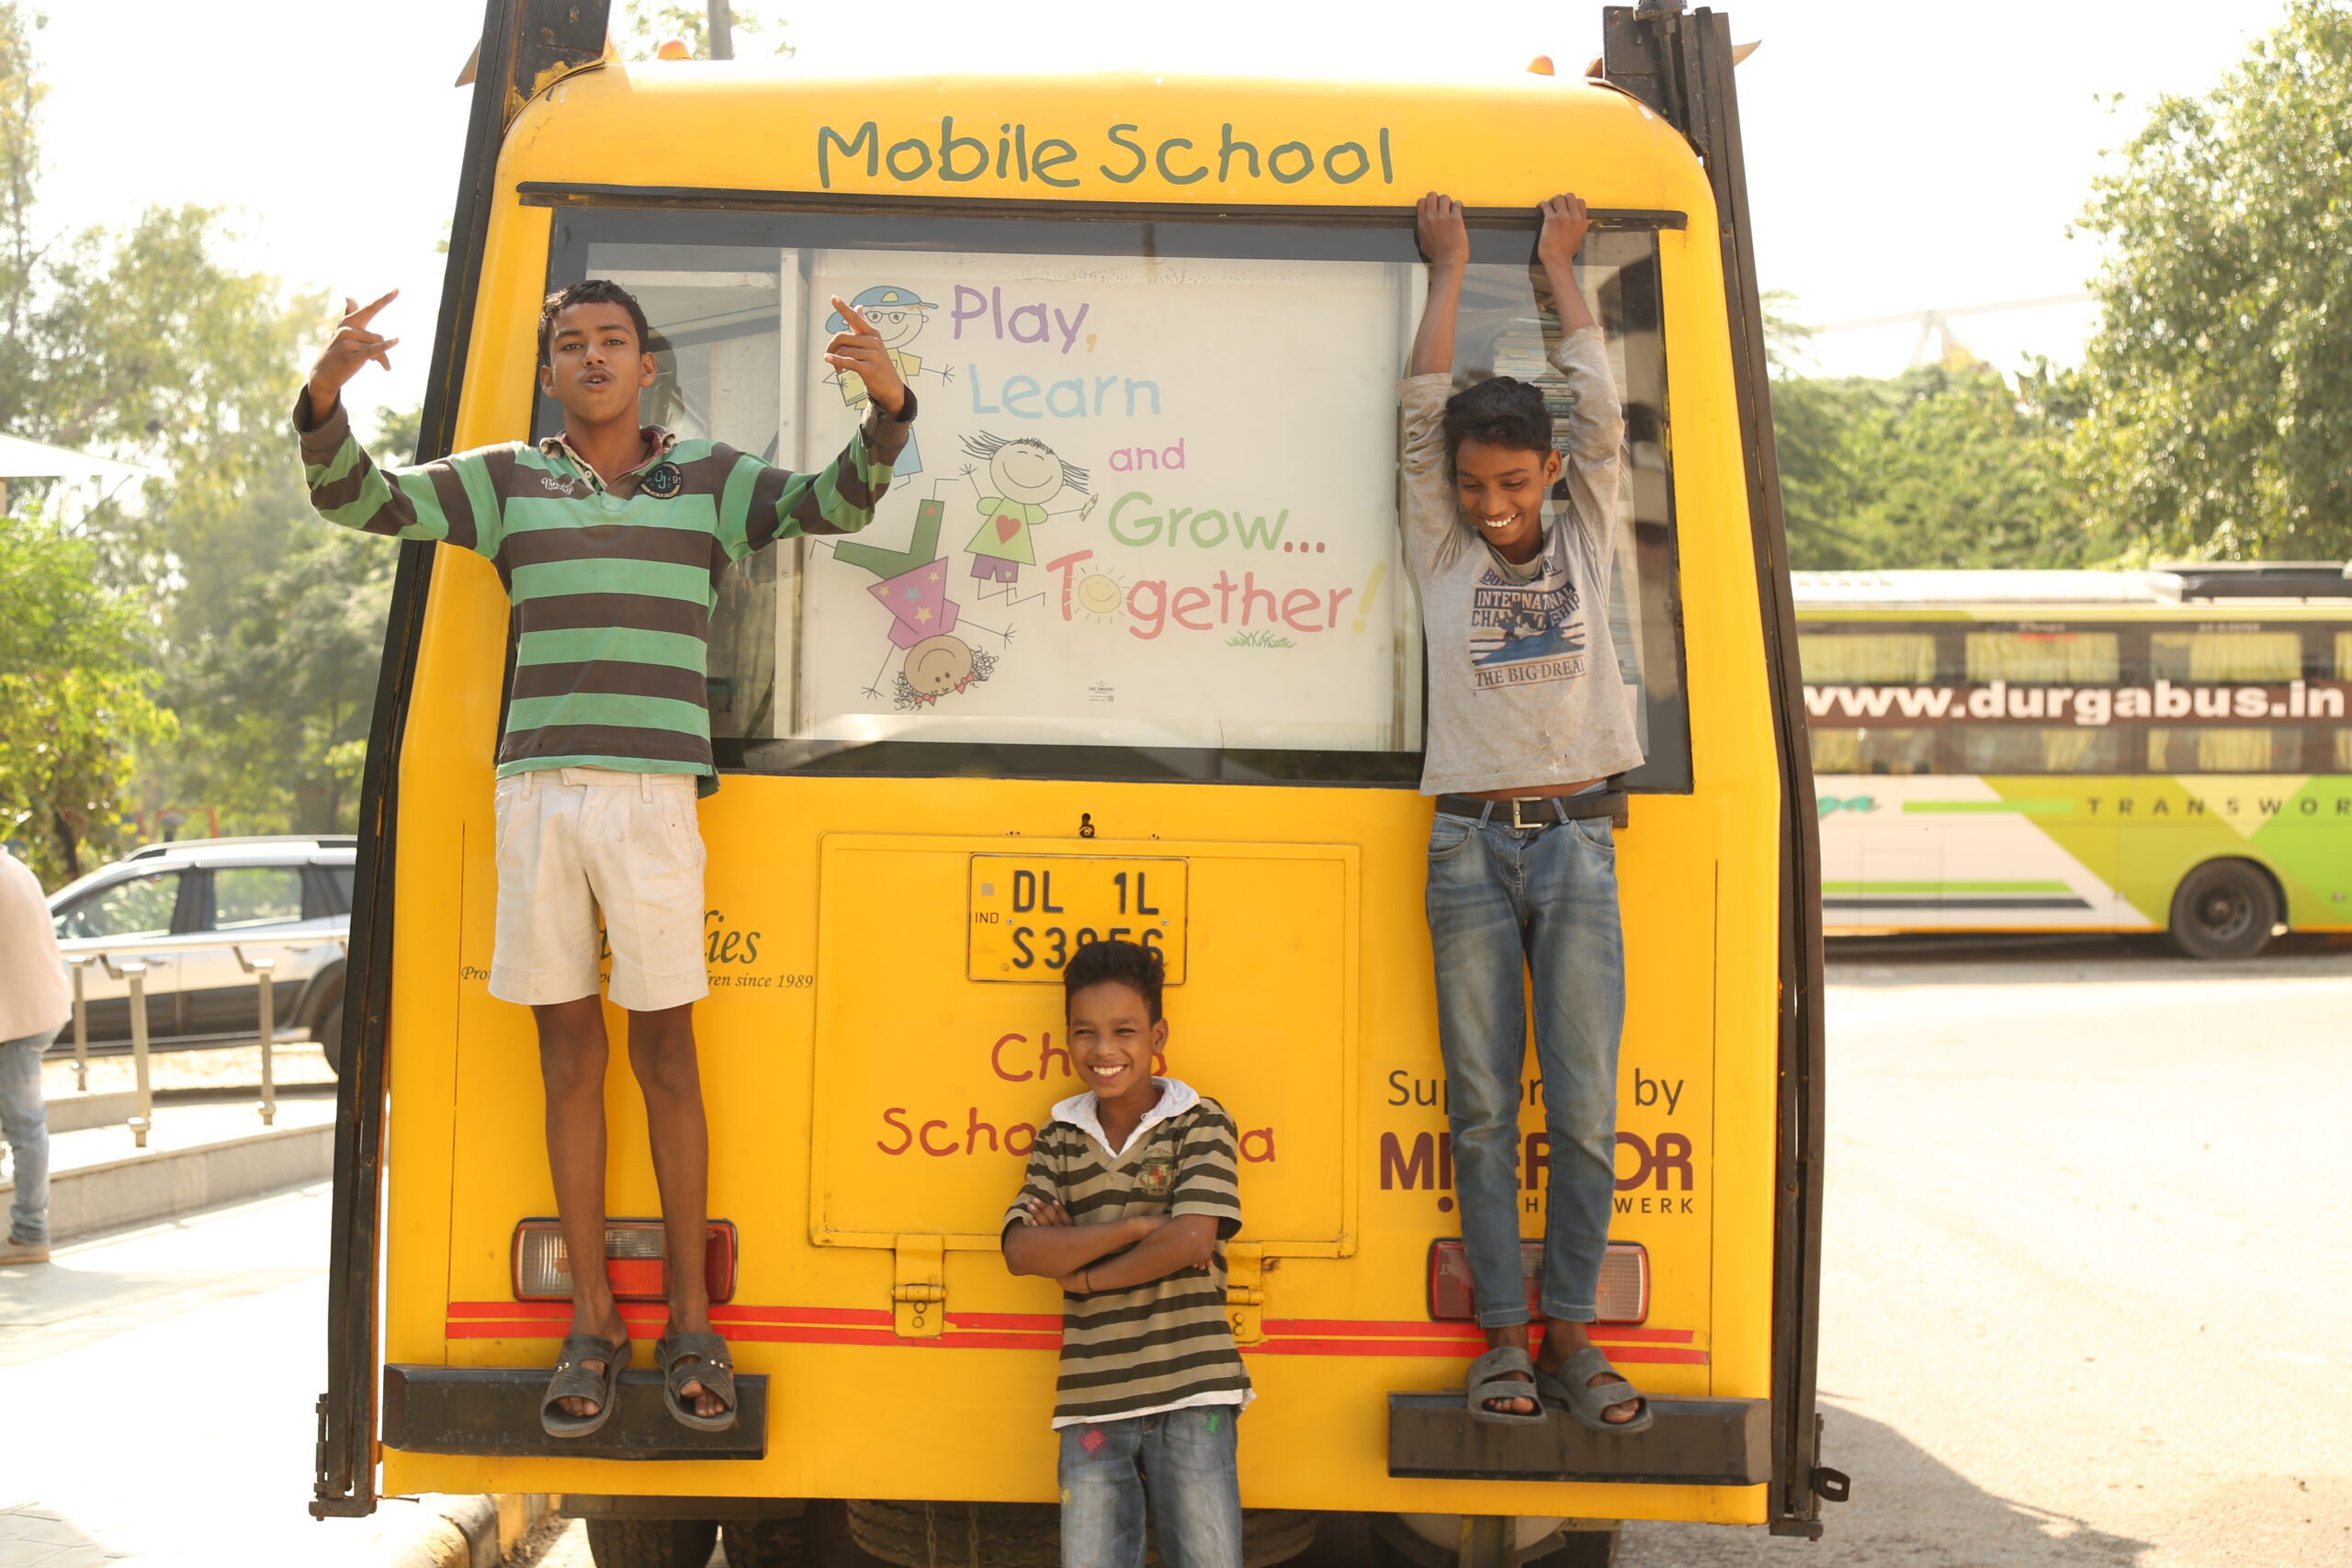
point(268, 893)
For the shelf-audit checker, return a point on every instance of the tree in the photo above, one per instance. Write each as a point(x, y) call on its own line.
point(74, 697)
point(2218, 390)
point(650, 23)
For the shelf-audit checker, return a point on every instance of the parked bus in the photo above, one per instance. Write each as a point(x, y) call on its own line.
point(1198, 714)
point(2163, 751)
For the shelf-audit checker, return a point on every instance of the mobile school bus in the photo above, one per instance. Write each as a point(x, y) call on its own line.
point(1195, 717)
point(2162, 750)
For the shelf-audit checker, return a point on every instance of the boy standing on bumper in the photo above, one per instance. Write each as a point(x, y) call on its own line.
point(1528, 725)
point(611, 539)
point(1130, 1197)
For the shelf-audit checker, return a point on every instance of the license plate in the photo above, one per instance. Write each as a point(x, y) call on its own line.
point(1031, 912)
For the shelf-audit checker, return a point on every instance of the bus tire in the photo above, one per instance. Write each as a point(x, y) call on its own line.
point(2224, 908)
point(651, 1544)
point(1025, 1535)
point(765, 1543)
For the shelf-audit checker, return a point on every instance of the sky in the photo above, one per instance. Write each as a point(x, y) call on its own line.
point(1906, 156)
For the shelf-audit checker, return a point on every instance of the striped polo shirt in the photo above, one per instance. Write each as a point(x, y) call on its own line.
point(1163, 1345)
point(613, 582)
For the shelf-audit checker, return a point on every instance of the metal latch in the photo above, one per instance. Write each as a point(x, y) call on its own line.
point(1245, 1290)
point(918, 1287)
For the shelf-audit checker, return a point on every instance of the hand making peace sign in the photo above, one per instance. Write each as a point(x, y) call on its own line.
point(857, 347)
point(352, 347)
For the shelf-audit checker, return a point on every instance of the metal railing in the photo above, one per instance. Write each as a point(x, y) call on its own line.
point(125, 958)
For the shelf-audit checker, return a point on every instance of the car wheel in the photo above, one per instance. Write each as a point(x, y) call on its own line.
point(2225, 908)
point(329, 1035)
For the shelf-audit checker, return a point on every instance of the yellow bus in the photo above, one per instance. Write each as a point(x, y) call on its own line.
point(1195, 718)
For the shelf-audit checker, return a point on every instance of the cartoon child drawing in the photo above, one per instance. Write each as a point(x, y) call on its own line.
point(898, 315)
point(923, 618)
point(1024, 475)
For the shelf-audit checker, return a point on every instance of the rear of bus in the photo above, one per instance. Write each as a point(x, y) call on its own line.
point(1192, 716)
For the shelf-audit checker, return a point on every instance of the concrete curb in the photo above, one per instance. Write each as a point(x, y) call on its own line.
point(446, 1530)
point(156, 1186)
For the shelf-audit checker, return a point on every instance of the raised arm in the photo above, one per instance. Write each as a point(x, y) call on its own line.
point(1596, 420)
point(454, 499)
point(1445, 241)
point(1564, 223)
point(763, 504)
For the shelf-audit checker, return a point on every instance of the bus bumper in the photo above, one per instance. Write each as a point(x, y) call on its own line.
point(1693, 1442)
point(494, 1411)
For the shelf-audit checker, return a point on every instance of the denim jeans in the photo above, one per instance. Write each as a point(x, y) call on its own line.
point(1184, 1459)
point(24, 1122)
point(1505, 902)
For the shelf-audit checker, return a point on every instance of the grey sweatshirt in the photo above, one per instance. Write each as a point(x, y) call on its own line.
point(1525, 686)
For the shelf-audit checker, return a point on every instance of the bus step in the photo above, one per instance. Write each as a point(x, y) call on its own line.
point(495, 1411)
point(1694, 1442)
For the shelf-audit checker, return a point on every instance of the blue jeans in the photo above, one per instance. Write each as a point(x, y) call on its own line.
point(1505, 902)
point(1183, 1458)
point(24, 1122)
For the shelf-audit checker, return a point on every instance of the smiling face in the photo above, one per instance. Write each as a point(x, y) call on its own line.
point(896, 323)
point(1113, 1040)
point(939, 665)
point(595, 366)
point(1501, 490)
point(1025, 473)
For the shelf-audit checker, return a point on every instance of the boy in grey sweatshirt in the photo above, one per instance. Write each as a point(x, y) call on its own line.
point(1528, 728)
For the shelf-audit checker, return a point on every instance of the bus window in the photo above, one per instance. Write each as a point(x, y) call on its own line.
point(1879, 658)
point(2214, 751)
point(2067, 658)
point(1893, 751)
point(2226, 656)
point(1147, 525)
point(2021, 750)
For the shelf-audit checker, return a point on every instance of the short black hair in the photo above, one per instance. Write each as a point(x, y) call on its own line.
point(592, 291)
point(1142, 970)
point(1501, 411)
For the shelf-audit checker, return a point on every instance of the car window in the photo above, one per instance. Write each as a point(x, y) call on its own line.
point(141, 906)
point(256, 895)
point(340, 876)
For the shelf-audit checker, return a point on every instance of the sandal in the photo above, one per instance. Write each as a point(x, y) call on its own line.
point(1568, 1386)
point(1488, 1381)
point(696, 1359)
point(574, 1381)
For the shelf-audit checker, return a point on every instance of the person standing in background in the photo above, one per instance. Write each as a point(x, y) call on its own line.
point(34, 1005)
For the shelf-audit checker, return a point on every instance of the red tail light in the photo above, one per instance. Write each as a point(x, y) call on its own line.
point(636, 1260)
point(1625, 1282)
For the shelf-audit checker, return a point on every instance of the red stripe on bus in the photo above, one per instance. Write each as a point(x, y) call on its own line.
point(1347, 1326)
point(1426, 1349)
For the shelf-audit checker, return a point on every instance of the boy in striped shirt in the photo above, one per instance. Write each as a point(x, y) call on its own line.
point(1130, 1197)
point(611, 539)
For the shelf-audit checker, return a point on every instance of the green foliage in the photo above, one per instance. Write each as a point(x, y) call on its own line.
point(649, 23)
point(1945, 466)
point(2219, 387)
point(74, 697)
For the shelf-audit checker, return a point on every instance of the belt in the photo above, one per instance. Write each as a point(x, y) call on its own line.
point(1539, 811)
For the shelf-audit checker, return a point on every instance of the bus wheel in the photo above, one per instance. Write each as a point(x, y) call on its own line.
point(2225, 908)
point(766, 1543)
point(651, 1544)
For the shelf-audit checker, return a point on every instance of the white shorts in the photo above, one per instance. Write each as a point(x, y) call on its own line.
point(572, 842)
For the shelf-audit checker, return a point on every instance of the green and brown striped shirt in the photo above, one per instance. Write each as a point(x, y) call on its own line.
point(613, 584)
point(1163, 1345)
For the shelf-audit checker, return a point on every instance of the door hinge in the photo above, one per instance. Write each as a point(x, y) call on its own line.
point(919, 1286)
point(1245, 1290)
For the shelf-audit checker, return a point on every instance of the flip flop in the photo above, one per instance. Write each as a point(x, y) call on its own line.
point(698, 1359)
point(574, 1381)
point(1586, 1403)
point(1487, 1380)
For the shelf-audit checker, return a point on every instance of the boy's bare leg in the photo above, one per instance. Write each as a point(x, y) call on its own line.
point(572, 1067)
point(661, 1050)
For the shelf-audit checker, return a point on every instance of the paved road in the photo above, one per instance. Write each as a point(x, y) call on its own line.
point(2086, 1268)
point(2087, 1222)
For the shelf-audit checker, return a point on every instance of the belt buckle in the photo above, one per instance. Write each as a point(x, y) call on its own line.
point(1521, 823)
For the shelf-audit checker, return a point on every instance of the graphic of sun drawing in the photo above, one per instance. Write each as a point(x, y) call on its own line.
point(1099, 596)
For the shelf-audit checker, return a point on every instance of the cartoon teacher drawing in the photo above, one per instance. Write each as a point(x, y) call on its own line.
point(1024, 475)
point(898, 315)
point(923, 618)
